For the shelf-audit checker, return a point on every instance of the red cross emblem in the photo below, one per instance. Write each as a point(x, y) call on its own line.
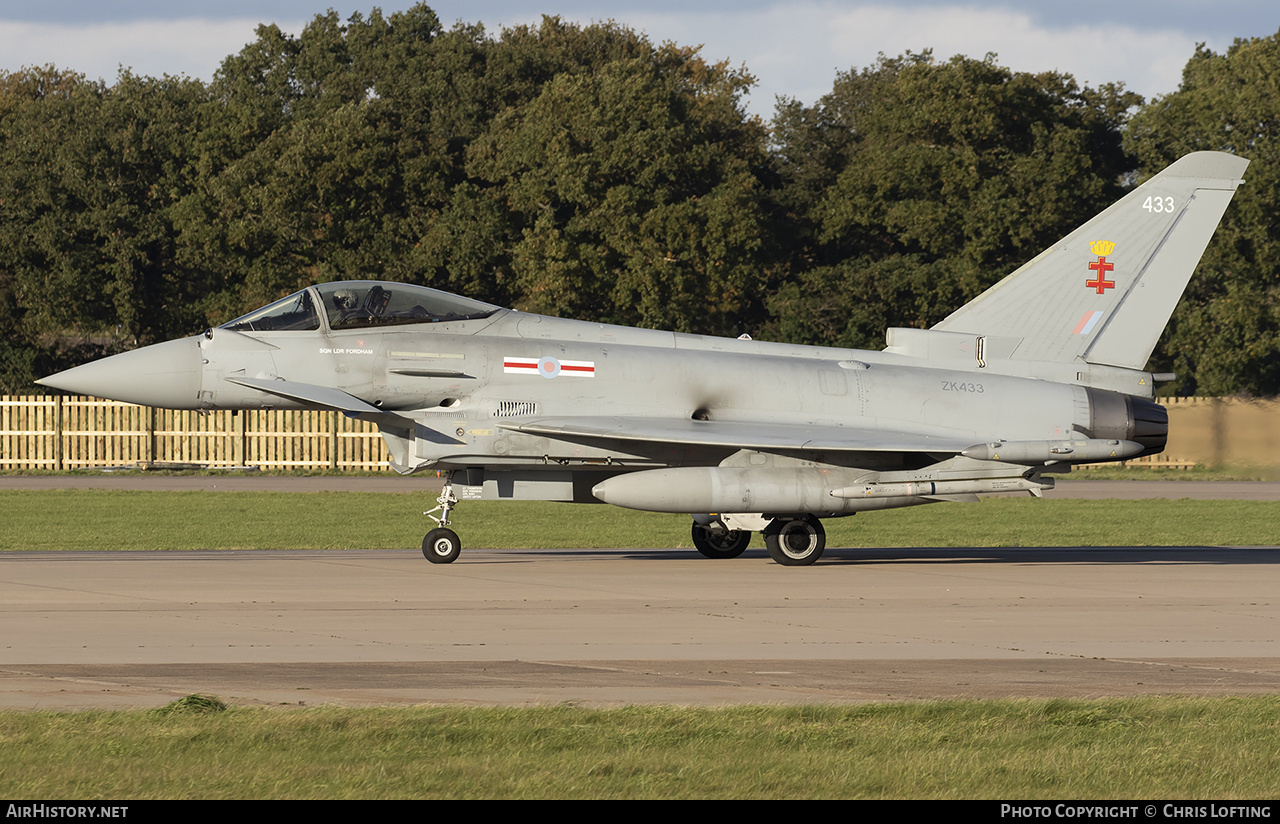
point(1101, 267)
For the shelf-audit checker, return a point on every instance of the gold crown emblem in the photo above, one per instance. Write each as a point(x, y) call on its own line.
point(1102, 248)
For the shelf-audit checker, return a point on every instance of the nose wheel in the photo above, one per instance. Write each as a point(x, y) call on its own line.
point(442, 545)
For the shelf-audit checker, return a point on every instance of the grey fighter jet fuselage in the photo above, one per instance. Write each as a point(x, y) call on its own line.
point(1044, 370)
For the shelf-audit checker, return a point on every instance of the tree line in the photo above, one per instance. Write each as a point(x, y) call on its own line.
point(583, 171)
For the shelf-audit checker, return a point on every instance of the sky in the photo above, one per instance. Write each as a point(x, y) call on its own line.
point(794, 48)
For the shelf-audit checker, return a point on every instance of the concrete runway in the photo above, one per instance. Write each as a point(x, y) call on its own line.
point(606, 627)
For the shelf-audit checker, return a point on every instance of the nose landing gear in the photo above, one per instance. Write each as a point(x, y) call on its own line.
point(442, 545)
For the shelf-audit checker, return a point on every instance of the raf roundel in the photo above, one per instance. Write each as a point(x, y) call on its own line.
point(548, 367)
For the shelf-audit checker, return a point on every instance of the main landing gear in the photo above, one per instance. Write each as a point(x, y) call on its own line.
point(442, 545)
point(796, 541)
point(724, 543)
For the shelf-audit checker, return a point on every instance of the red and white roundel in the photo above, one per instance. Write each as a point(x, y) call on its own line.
point(549, 367)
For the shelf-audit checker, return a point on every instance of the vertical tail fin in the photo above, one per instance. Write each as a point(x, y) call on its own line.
point(1104, 293)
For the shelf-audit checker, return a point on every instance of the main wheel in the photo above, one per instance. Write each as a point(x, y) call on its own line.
point(797, 542)
point(729, 544)
point(441, 546)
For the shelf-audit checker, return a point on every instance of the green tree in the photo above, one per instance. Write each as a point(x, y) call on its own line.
point(141, 162)
point(88, 177)
point(633, 187)
point(312, 167)
point(915, 184)
point(1224, 337)
point(48, 238)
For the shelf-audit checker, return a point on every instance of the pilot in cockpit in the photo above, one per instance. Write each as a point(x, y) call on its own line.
point(346, 301)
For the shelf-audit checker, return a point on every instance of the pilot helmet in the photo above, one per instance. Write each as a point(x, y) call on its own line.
point(346, 300)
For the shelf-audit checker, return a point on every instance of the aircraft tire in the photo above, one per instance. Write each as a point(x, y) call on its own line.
point(795, 542)
point(441, 546)
point(729, 545)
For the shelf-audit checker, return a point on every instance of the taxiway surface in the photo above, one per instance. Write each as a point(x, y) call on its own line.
point(604, 627)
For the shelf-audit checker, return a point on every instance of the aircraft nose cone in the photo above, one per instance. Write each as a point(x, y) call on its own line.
point(166, 374)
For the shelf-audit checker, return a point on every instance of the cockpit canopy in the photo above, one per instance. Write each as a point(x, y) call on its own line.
point(356, 304)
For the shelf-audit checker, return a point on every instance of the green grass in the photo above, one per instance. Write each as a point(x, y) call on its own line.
point(115, 520)
point(1128, 749)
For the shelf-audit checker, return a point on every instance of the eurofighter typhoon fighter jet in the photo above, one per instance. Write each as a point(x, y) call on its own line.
point(1043, 370)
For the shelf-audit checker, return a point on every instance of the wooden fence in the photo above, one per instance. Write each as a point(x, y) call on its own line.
point(52, 432)
point(1232, 432)
point(1224, 431)
point(68, 432)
